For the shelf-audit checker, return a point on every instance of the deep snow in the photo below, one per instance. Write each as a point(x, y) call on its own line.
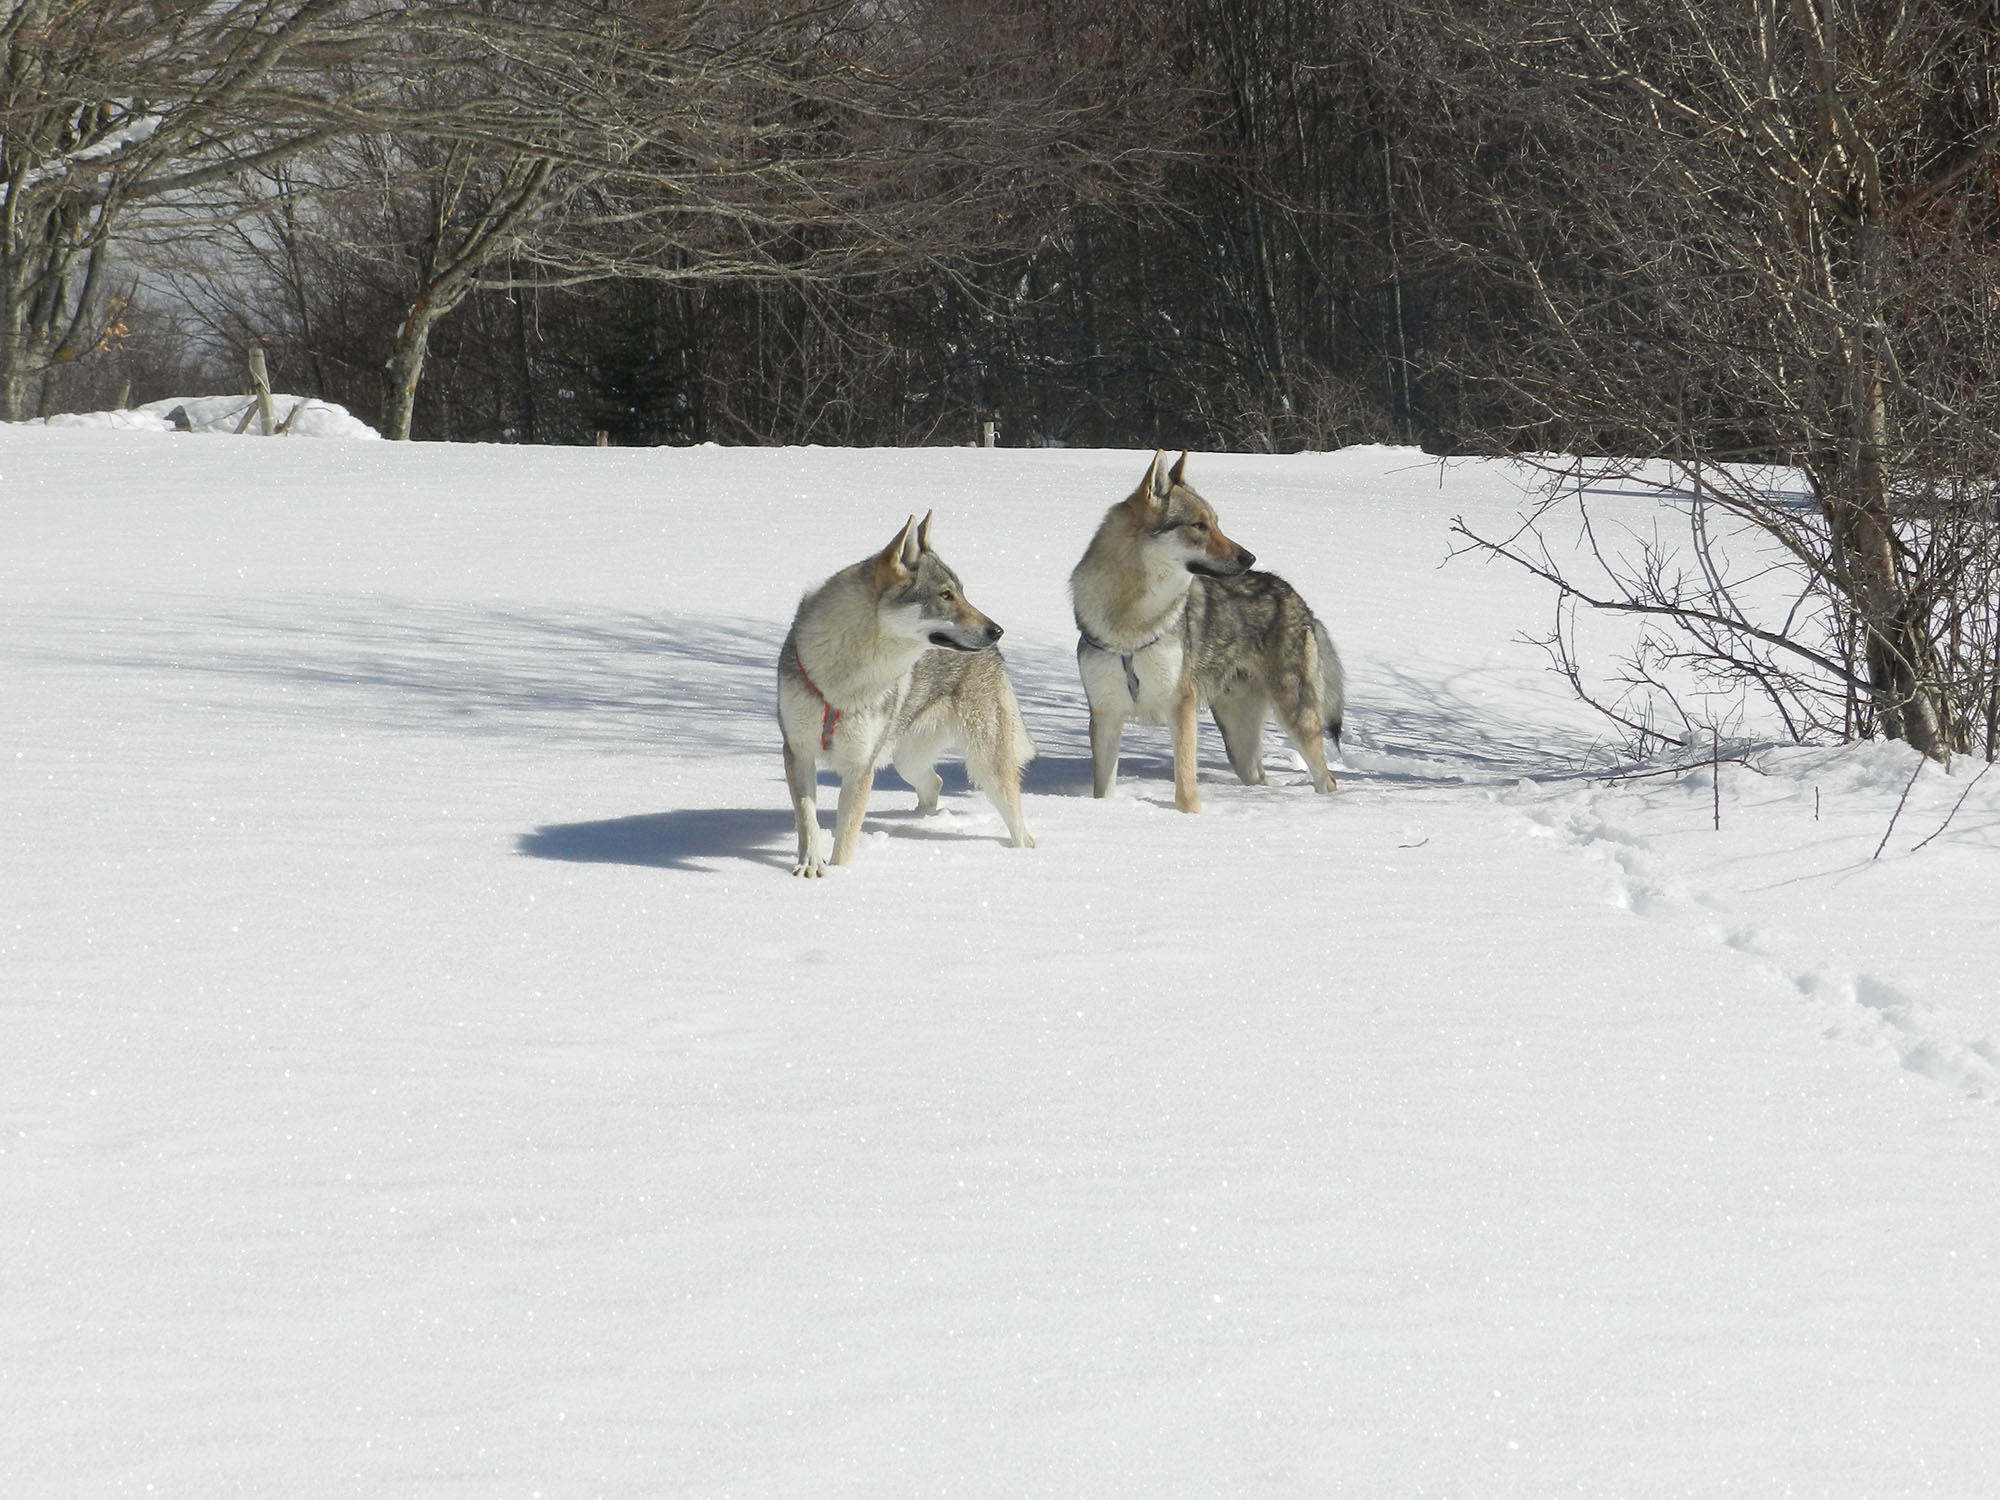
point(420, 1077)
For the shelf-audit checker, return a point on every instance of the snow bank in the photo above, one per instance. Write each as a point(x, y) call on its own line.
point(302, 416)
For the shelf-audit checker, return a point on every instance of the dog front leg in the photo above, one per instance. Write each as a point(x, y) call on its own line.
point(1186, 708)
point(1107, 730)
point(854, 789)
point(802, 781)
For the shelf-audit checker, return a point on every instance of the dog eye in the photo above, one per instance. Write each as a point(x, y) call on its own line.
point(946, 595)
point(1199, 528)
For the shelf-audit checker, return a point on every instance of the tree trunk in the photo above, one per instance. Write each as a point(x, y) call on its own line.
point(1905, 676)
point(406, 367)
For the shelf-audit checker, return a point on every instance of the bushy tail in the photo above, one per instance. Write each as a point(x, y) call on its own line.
point(1332, 684)
point(1024, 746)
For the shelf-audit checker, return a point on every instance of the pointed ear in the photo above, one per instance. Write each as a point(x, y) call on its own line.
point(1153, 488)
point(1174, 476)
point(890, 569)
point(923, 537)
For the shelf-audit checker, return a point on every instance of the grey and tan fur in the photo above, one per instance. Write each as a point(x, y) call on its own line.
point(1171, 616)
point(887, 662)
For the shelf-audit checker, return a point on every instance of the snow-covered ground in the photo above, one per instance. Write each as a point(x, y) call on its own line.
point(419, 1076)
point(291, 416)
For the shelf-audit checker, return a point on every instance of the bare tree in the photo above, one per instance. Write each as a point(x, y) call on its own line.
point(1735, 235)
point(728, 142)
point(124, 112)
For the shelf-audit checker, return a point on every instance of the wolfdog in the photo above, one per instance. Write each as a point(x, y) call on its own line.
point(888, 662)
point(1171, 616)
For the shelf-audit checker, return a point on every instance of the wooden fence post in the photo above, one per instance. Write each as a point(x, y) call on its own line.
point(260, 387)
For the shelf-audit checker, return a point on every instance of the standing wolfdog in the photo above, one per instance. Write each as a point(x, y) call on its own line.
point(888, 661)
point(1171, 617)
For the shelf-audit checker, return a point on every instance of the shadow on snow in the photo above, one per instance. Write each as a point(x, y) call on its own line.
point(683, 839)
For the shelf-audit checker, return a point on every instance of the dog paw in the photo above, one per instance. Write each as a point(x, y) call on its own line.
point(811, 869)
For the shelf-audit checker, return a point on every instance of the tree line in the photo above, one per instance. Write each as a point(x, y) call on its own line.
point(1722, 235)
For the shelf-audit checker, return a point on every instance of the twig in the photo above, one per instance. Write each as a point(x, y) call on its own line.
point(1715, 773)
point(1955, 806)
point(1899, 808)
point(1676, 612)
point(1680, 769)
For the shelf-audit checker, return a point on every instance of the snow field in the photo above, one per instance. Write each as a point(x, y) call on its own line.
point(420, 1076)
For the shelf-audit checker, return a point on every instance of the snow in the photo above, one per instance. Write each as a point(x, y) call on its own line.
point(300, 416)
point(140, 126)
point(419, 1075)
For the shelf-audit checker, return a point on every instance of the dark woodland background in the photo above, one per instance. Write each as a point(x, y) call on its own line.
point(1229, 224)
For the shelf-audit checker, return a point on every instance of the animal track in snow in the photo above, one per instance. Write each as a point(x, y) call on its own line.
point(1866, 1009)
point(1878, 1014)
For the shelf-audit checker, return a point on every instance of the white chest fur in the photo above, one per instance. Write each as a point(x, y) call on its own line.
point(1141, 685)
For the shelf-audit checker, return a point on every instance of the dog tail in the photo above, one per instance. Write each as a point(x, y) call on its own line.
point(1332, 684)
point(1025, 748)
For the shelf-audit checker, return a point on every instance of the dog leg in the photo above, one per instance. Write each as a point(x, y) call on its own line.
point(1107, 729)
point(1240, 717)
point(802, 781)
point(1305, 729)
point(1000, 780)
point(1008, 799)
point(916, 763)
point(1312, 745)
point(854, 790)
point(1186, 710)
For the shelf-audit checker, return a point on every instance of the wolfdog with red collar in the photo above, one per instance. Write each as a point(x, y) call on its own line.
point(888, 663)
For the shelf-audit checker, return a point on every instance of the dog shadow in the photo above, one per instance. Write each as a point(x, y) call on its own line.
point(692, 838)
point(696, 838)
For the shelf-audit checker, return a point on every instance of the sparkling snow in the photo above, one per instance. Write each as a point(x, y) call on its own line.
point(420, 1076)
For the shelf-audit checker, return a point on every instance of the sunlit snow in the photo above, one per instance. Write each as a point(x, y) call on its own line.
point(420, 1076)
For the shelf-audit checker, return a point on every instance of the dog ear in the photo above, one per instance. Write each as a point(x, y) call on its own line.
point(890, 568)
point(1180, 468)
point(1153, 488)
point(923, 537)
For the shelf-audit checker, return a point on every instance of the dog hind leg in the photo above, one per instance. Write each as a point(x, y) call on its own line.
point(916, 761)
point(1240, 717)
point(1305, 726)
point(999, 777)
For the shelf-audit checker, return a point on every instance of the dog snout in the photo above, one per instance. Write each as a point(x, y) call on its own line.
point(1245, 557)
point(993, 631)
